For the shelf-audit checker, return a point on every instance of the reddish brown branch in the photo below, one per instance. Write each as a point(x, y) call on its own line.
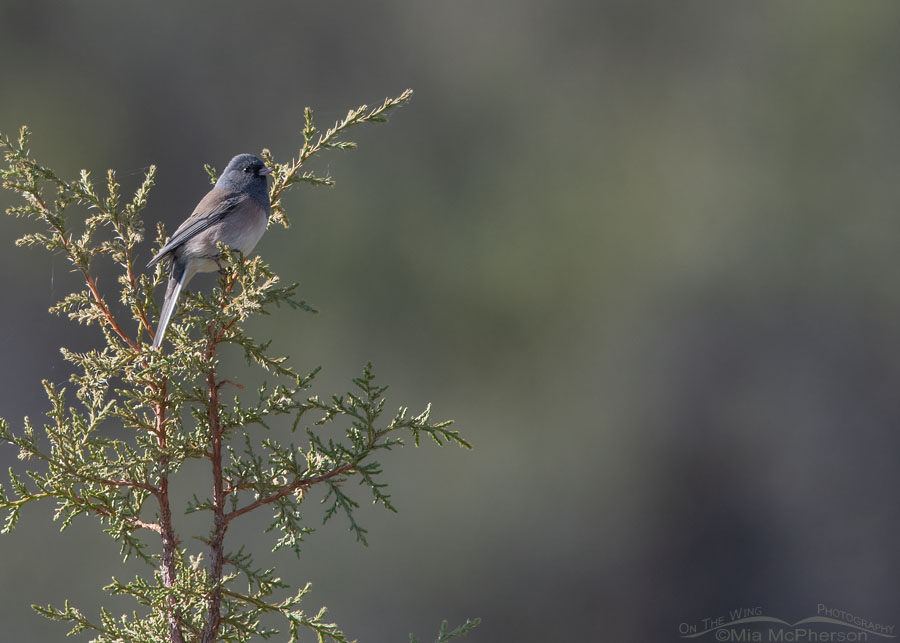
point(152, 526)
point(217, 544)
point(102, 511)
point(91, 282)
point(285, 490)
point(110, 318)
point(127, 483)
point(142, 312)
point(169, 540)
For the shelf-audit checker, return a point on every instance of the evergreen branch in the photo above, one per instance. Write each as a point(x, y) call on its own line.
point(167, 532)
point(290, 488)
point(216, 545)
point(104, 512)
point(296, 618)
point(287, 174)
point(173, 408)
point(23, 177)
point(125, 231)
point(445, 635)
point(104, 309)
point(71, 614)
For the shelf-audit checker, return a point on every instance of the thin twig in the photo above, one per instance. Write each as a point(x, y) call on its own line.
point(285, 490)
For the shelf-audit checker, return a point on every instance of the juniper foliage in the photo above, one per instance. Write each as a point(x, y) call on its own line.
point(139, 415)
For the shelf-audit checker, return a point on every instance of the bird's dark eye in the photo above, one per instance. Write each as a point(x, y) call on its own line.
point(248, 169)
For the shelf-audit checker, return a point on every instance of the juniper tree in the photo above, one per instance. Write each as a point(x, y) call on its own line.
point(139, 415)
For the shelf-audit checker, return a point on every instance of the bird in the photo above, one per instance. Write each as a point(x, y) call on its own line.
point(235, 213)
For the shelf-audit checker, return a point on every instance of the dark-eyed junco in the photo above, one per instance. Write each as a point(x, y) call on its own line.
point(235, 212)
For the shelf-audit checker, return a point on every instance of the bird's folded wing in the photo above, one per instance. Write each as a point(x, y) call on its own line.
point(214, 207)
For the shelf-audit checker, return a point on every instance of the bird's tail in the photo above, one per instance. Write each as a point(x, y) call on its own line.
point(176, 282)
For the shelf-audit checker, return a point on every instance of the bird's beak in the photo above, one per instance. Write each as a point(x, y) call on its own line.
point(265, 171)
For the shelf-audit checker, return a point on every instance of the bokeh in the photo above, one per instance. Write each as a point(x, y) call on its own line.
point(644, 253)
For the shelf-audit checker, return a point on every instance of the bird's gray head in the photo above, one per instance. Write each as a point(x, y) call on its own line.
point(246, 173)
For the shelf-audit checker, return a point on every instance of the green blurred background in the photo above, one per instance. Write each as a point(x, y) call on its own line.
point(644, 253)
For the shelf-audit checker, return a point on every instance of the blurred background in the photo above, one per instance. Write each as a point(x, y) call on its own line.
point(644, 253)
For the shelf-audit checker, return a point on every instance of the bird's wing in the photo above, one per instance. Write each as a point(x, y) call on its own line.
point(214, 207)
